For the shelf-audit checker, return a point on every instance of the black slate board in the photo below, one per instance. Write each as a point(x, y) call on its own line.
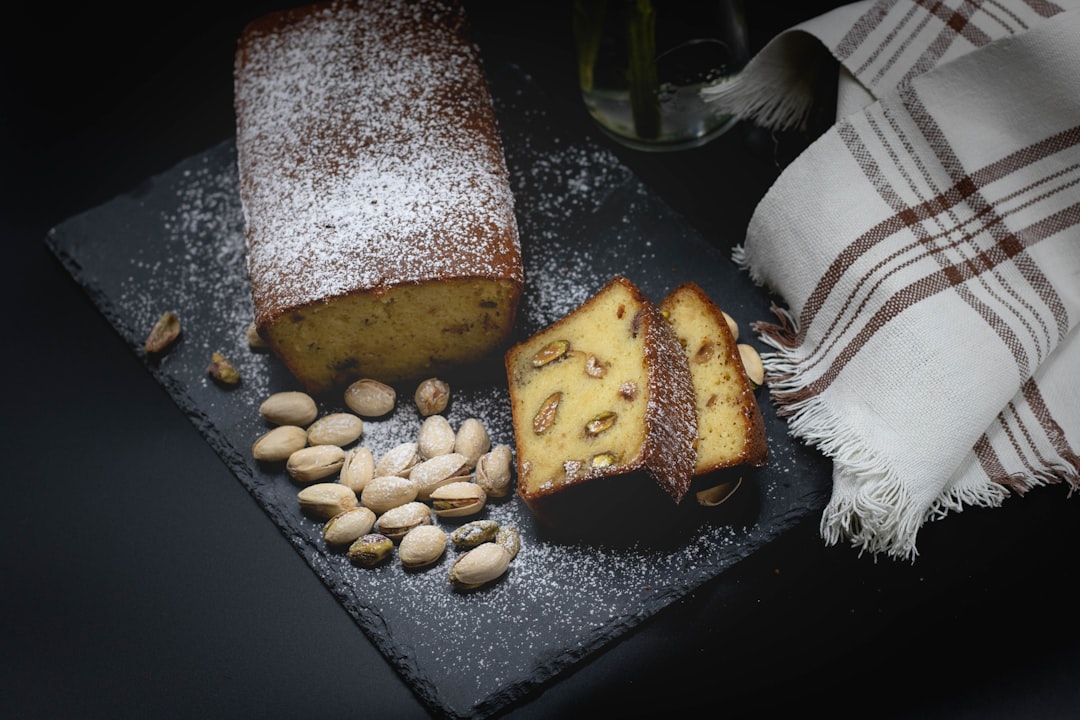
point(176, 242)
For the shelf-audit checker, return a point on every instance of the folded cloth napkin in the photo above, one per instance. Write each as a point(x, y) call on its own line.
point(927, 250)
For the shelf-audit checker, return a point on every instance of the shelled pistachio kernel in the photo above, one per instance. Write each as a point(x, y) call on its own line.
point(290, 407)
point(371, 549)
point(370, 398)
point(315, 463)
point(339, 429)
point(325, 500)
point(347, 526)
point(483, 564)
point(222, 371)
point(163, 334)
point(358, 469)
point(473, 533)
point(509, 538)
point(421, 546)
point(279, 443)
point(545, 416)
point(432, 396)
point(550, 353)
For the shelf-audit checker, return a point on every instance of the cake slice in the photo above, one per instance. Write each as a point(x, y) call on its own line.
point(730, 429)
point(602, 399)
point(381, 235)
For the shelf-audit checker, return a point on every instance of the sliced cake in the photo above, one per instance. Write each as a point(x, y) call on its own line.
point(601, 399)
point(730, 429)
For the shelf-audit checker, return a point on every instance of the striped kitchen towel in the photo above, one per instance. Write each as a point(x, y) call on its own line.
point(926, 250)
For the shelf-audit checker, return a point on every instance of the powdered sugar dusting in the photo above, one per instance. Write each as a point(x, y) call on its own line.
point(361, 129)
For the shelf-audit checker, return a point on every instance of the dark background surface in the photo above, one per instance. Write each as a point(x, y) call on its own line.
point(139, 579)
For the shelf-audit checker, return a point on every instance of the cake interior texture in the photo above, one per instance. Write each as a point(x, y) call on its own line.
point(399, 334)
point(381, 235)
point(602, 393)
point(731, 431)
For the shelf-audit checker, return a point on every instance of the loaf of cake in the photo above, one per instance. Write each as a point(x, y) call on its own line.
point(730, 429)
point(602, 399)
point(381, 236)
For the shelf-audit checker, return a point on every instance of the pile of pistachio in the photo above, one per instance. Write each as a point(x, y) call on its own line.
point(369, 505)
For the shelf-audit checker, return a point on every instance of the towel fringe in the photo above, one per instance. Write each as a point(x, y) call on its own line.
point(776, 89)
point(870, 507)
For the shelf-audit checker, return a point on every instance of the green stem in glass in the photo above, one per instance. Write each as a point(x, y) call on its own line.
point(641, 70)
point(588, 24)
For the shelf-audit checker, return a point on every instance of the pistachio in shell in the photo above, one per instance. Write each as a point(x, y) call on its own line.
point(278, 444)
point(315, 462)
point(325, 500)
point(422, 546)
point(458, 499)
point(385, 492)
point(370, 398)
point(289, 407)
point(482, 565)
point(347, 526)
point(397, 522)
point(358, 468)
point(493, 471)
point(339, 429)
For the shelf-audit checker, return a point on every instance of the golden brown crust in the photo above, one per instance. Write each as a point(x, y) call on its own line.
point(730, 425)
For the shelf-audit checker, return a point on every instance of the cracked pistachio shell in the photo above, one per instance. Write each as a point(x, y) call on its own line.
point(358, 469)
point(315, 463)
point(347, 526)
point(386, 492)
point(717, 495)
point(370, 398)
point(289, 408)
point(278, 444)
point(479, 566)
point(325, 500)
point(396, 522)
point(398, 460)
point(438, 471)
point(339, 429)
point(458, 499)
point(432, 396)
point(436, 437)
point(421, 546)
point(493, 471)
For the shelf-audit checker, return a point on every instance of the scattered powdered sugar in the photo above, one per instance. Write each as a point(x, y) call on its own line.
point(464, 653)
